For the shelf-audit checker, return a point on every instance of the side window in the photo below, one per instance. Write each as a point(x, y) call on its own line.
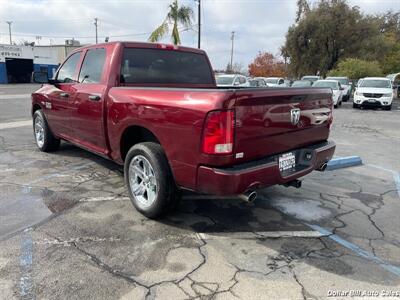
point(281, 81)
point(242, 80)
point(67, 71)
point(92, 66)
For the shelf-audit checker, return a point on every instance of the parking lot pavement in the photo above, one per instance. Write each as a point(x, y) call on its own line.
point(68, 230)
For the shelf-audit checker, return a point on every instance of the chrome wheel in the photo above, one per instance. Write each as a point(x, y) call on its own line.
point(39, 131)
point(142, 181)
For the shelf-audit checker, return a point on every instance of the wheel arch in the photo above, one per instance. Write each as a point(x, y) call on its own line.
point(133, 135)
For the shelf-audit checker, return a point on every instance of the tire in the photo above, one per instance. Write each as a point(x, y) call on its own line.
point(335, 106)
point(356, 105)
point(44, 138)
point(149, 180)
point(389, 107)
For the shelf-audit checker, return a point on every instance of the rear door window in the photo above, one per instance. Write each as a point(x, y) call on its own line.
point(160, 66)
point(92, 66)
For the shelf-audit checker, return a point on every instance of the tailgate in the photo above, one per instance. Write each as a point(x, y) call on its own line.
point(271, 121)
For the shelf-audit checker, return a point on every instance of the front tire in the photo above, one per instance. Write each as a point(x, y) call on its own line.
point(389, 107)
point(149, 180)
point(356, 105)
point(44, 138)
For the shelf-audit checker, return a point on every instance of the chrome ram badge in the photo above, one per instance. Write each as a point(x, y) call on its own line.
point(295, 116)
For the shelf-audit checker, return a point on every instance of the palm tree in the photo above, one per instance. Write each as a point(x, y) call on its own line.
point(176, 15)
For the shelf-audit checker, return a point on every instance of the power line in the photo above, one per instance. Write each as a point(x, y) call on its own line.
point(89, 37)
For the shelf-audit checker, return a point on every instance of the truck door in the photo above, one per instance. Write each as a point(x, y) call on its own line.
point(87, 115)
point(58, 109)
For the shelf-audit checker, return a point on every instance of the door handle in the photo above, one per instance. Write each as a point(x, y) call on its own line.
point(94, 97)
point(64, 95)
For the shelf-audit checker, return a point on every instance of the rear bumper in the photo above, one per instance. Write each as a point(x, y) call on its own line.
point(261, 173)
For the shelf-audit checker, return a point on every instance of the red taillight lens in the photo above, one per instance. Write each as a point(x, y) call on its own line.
point(218, 132)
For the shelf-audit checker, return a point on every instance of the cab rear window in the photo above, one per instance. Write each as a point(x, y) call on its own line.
point(160, 66)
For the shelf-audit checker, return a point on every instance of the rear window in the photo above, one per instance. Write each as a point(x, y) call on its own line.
point(158, 66)
point(343, 81)
point(326, 84)
point(224, 79)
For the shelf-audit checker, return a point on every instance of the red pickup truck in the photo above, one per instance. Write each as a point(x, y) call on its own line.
point(156, 109)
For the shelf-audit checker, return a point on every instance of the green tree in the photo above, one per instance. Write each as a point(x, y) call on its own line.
point(391, 63)
point(176, 15)
point(329, 32)
point(357, 68)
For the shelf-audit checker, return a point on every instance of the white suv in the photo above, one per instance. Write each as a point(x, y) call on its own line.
point(374, 92)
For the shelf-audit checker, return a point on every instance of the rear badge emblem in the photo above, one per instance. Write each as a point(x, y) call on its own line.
point(295, 116)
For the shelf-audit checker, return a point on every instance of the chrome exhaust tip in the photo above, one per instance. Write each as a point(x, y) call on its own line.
point(248, 196)
point(323, 167)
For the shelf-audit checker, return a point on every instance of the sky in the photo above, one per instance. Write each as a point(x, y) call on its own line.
point(259, 25)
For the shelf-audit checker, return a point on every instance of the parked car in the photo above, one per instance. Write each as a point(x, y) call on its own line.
point(395, 79)
point(275, 81)
point(337, 90)
point(301, 83)
point(311, 78)
point(156, 110)
point(346, 84)
point(374, 92)
point(232, 80)
point(257, 82)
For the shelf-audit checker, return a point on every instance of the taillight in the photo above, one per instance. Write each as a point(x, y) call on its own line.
point(218, 132)
point(330, 120)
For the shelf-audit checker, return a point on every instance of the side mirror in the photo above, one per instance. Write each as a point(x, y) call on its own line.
point(342, 88)
point(40, 77)
point(236, 83)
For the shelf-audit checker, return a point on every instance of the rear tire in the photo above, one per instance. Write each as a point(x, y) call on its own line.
point(44, 138)
point(149, 180)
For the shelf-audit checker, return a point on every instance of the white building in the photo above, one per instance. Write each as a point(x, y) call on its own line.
point(18, 62)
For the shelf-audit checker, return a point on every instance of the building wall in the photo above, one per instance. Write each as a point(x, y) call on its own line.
point(43, 57)
point(3, 73)
point(50, 69)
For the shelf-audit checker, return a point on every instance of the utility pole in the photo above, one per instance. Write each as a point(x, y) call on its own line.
point(95, 25)
point(199, 24)
point(9, 30)
point(233, 39)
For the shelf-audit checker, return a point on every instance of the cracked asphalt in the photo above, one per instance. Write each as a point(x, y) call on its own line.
point(68, 230)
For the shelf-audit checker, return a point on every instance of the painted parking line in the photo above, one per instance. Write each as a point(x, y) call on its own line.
point(15, 124)
point(359, 251)
point(396, 176)
point(15, 96)
point(25, 265)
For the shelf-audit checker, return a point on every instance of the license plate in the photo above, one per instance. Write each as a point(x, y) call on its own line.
point(287, 161)
point(371, 100)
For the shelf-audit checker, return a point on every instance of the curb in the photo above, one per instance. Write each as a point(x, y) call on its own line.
point(343, 162)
